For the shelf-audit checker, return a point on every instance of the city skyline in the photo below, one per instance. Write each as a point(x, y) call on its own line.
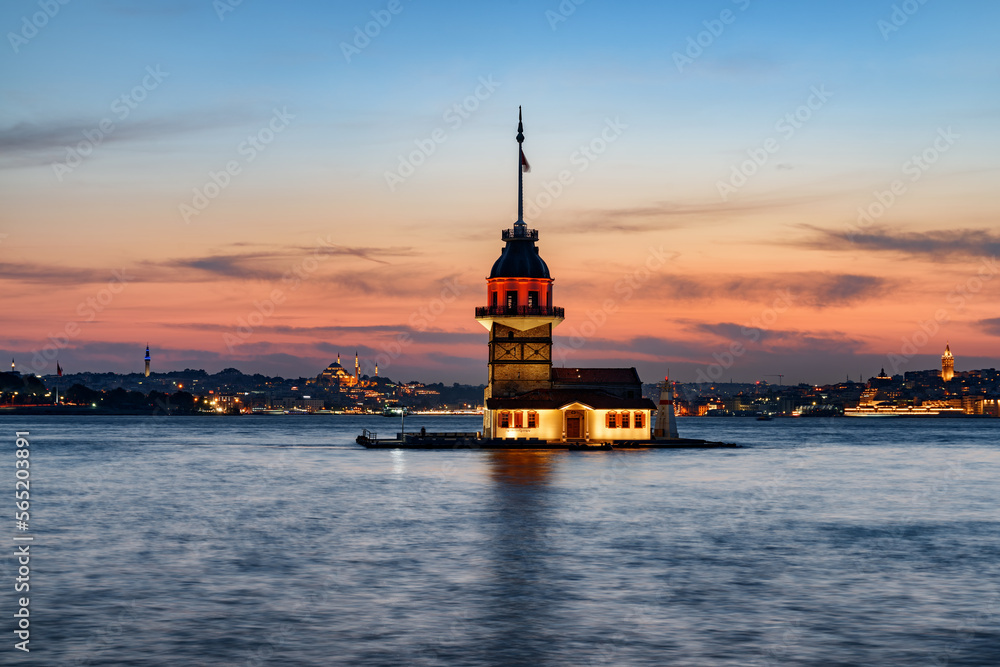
point(738, 191)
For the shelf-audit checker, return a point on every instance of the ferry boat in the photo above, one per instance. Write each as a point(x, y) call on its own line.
point(903, 411)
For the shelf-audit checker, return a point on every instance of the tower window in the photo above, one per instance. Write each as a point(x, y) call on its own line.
point(512, 299)
point(533, 299)
point(510, 334)
point(494, 297)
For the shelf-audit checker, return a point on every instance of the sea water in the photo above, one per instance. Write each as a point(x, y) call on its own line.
point(275, 540)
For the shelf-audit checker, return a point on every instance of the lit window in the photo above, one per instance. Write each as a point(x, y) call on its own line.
point(612, 420)
point(532, 419)
point(504, 420)
point(639, 420)
point(625, 420)
point(518, 419)
point(532, 299)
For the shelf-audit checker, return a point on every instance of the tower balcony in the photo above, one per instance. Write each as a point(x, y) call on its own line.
point(520, 311)
point(521, 318)
point(519, 233)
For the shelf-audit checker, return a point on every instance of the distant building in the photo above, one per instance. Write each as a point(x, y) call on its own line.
point(147, 359)
point(337, 375)
point(947, 364)
point(526, 398)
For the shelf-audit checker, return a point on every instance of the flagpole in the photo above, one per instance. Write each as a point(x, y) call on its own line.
point(520, 168)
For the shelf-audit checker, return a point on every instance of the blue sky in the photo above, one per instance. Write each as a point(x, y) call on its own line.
point(225, 76)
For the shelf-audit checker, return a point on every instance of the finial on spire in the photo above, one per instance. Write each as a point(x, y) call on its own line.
point(520, 127)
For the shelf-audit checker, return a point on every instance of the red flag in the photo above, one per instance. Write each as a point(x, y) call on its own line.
point(525, 167)
point(58, 369)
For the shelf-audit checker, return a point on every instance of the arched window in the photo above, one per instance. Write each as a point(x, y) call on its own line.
point(612, 420)
point(625, 423)
point(639, 419)
point(504, 418)
point(532, 419)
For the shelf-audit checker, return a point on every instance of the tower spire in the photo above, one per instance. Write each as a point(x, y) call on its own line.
point(522, 166)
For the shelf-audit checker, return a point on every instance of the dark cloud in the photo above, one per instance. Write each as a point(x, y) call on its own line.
point(663, 216)
point(809, 289)
point(937, 245)
point(749, 335)
point(27, 272)
point(991, 326)
point(377, 332)
point(271, 265)
point(44, 143)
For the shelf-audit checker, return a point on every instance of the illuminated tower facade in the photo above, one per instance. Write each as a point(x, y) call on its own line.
point(357, 369)
point(947, 364)
point(147, 359)
point(519, 312)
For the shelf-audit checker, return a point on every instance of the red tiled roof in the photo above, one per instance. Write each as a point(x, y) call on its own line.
point(553, 399)
point(596, 375)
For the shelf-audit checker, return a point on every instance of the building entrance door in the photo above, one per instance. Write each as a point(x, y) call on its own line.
point(574, 428)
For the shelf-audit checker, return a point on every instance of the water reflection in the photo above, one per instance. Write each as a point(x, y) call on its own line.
point(523, 599)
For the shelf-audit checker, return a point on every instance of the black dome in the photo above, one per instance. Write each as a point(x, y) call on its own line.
point(519, 259)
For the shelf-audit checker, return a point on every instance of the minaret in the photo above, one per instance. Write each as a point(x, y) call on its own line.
point(357, 368)
point(666, 421)
point(338, 358)
point(376, 369)
point(12, 369)
point(947, 364)
point(519, 313)
point(147, 359)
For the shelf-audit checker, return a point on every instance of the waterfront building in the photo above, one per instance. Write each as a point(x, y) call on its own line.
point(525, 397)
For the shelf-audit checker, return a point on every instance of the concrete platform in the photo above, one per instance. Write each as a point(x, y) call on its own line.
point(370, 440)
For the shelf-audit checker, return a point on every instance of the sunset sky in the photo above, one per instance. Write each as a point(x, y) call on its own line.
point(369, 178)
